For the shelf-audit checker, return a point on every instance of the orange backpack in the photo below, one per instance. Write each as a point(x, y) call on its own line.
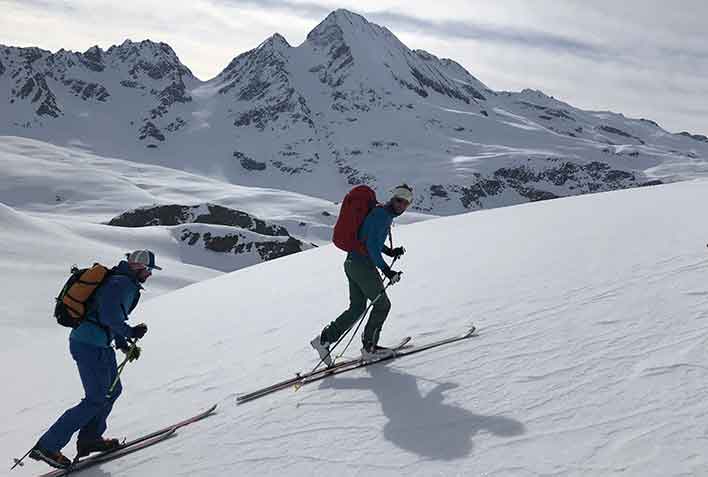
point(73, 299)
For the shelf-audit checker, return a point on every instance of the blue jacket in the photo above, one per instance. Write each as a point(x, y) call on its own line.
point(373, 232)
point(109, 310)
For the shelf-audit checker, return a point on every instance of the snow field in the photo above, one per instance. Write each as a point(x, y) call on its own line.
point(590, 361)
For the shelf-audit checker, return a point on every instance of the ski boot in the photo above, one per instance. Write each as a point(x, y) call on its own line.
point(84, 448)
point(323, 349)
point(376, 353)
point(55, 459)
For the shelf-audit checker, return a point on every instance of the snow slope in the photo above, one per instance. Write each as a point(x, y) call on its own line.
point(55, 203)
point(591, 358)
point(41, 178)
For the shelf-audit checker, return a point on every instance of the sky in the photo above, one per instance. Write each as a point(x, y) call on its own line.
point(643, 58)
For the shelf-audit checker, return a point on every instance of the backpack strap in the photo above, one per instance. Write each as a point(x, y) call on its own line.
point(94, 307)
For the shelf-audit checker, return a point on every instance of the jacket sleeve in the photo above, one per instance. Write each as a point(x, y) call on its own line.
point(111, 314)
point(376, 231)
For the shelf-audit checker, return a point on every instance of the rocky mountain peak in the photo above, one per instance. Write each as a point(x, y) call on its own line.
point(156, 60)
point(344, 18)
point(276, 42)
point(145, 50)
point(340, 24)
point(26, 55)
point(327, 32)
point(276, 45)
point(94, 54)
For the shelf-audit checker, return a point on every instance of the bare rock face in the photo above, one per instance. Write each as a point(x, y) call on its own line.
point(199, 214)
point(234, 232)
point(536, 183)
point(237, 243)
point(248, 163)
point(696, 137)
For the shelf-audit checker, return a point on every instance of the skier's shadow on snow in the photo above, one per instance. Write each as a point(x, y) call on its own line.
point(421, 424)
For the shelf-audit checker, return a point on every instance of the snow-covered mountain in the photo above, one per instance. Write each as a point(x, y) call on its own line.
point(590, 361)
point(351, 104)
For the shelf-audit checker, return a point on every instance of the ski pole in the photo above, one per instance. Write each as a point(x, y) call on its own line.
point(120, 370)
point(19, 461)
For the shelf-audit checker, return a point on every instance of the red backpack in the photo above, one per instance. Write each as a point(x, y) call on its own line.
point(355, 207)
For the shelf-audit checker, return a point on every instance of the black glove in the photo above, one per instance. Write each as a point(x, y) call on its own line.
point(132, 352)
point(392, 275)
point(139, 330)
point(394, 252)
point(398, 252)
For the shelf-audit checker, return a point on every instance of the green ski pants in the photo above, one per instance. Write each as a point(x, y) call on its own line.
point(364, 283)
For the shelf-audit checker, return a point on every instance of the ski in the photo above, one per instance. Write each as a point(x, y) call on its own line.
point(108, 456)
point(399, 354)
point(131, 446)
point(401, 350)
point(300, 377)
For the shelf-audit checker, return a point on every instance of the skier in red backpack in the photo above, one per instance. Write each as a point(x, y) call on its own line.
point(365, 246)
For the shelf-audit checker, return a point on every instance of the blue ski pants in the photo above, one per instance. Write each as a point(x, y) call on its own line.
point(97, 369)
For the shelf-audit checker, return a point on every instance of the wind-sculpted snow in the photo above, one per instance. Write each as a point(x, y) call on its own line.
point(352, 104)
point(591, 356)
